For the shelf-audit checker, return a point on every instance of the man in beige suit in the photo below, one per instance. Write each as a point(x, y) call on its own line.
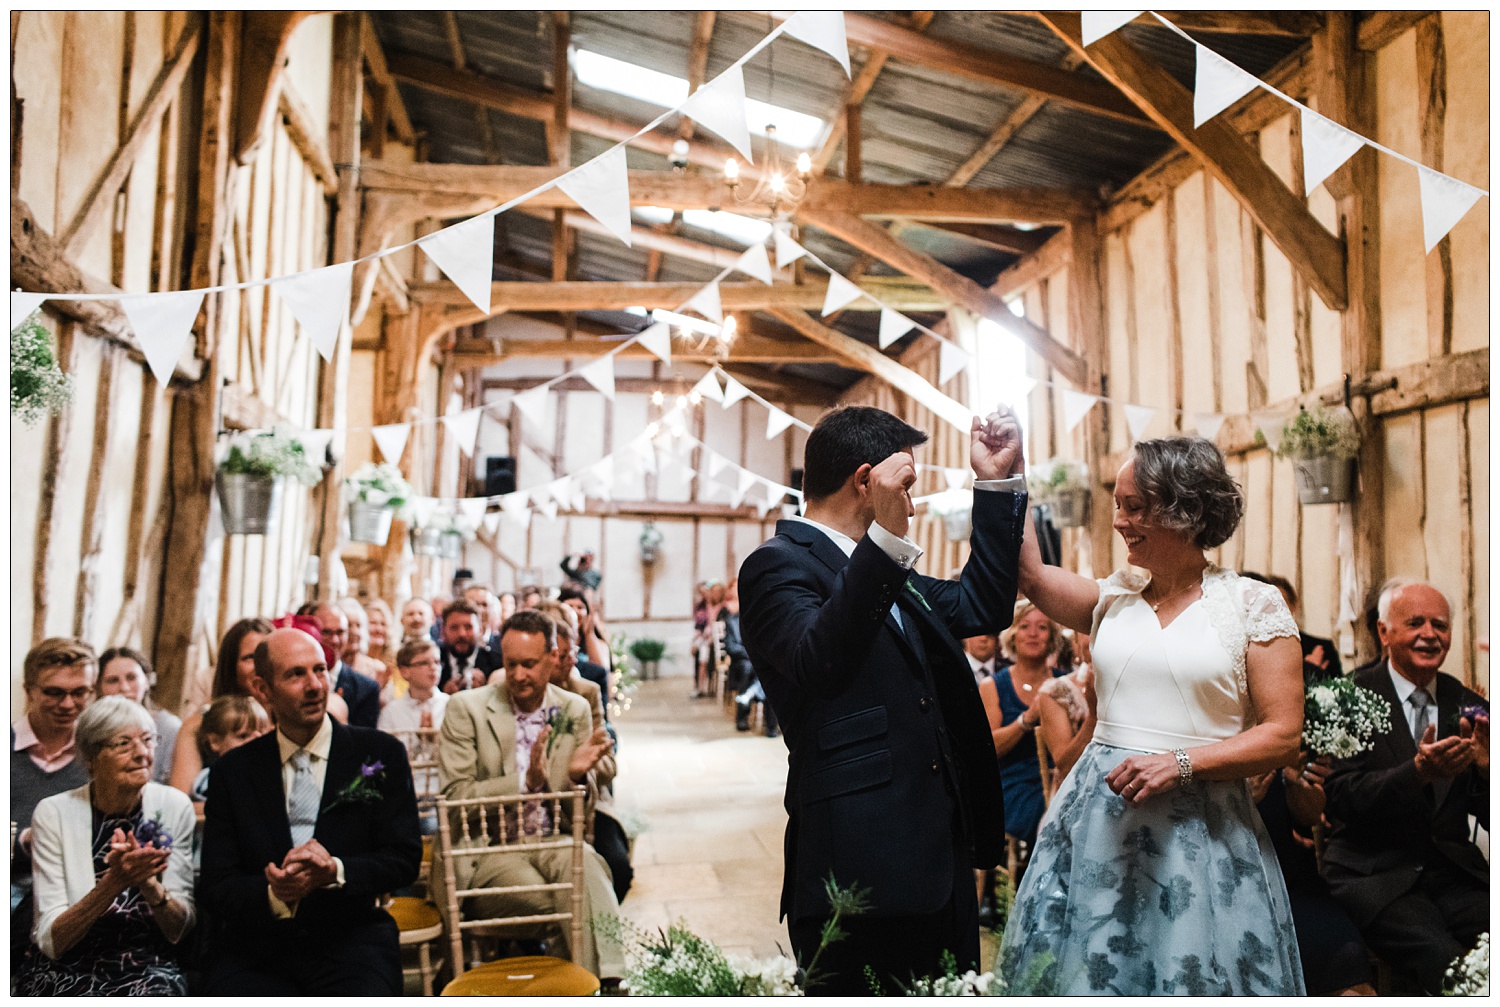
point(494, 743)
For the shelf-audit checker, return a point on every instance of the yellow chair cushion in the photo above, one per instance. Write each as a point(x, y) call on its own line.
point(413, 914)
point(533, 975)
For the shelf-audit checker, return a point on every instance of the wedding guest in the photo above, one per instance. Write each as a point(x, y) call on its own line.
point(488, 606)
point(416, 619)
point(382, 646)
point(234, 674)
point(531, 597)
point(356, 653)
point(580, 568)
point(126, 672)
point(229, 722)
point(466, 662)
point(111, 900)
point(1067, 705)
point(594, 647)
point(358, 690)
point(1199, 682)
point(1400, 858)
point(507, 602)
point(982, 651)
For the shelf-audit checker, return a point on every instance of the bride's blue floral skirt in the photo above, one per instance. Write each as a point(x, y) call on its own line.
point(1181, 894)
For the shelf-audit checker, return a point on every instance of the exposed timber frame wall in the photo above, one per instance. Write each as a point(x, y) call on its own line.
point(1203, 313)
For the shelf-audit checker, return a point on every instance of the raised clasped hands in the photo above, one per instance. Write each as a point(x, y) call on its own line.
point(589, 753)
point(1143, 776)
point(1446, 758)
point(890, 492)
point(995, 448)
point(129, 864)
point(303, 870)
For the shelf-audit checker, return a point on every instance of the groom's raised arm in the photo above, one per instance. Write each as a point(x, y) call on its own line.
point(984, 597)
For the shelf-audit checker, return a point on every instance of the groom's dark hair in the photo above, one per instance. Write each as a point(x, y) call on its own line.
point(847, 438)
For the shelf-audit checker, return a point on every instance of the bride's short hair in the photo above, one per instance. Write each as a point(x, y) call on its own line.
point(1187, 489)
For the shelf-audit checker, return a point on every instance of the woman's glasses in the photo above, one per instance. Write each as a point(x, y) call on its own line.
point(123, 744)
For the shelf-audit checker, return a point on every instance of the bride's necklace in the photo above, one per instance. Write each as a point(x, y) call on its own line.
point(1156, 605)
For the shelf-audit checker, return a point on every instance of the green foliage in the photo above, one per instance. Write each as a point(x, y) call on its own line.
point(37, 385)
point(647, 649)
point(269, 454)
point(1318, 432)
point(1060, 475)
point(381, 485)
point(1005, 895)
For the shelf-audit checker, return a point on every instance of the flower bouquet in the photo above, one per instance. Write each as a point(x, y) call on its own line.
point(1469, 976)
point(949, 984)
point(38, 387)
point(1340, 719)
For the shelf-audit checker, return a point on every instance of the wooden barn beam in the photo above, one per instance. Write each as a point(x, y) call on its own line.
point(697, 62)
point(958, 288)
point(1379, 28)
point(304, 135)
point(746, 350)
point(264, 35)
point(381, 75)
point(1284, 216)
point(859, 88)
point(996, 236)
point(460, 65)
point(1004, 132)
point(1292, 23)
point(1086, 324)
point(867, 358)
point(165, 88)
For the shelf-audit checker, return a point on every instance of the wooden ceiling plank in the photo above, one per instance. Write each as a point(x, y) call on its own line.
point(1315, 253)
point(381, 74)
point(697, 62)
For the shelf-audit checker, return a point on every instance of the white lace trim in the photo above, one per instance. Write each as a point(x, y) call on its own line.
point(1226, 612)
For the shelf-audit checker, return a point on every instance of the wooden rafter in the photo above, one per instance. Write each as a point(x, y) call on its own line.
point(460, 65)
point(652, 239)
point(1293, 23)
point(859, 89)
point(381, 75)
point(697, 62)
point(263, 40)
point(582, 295)
point(1315, 253)
point(996, 236)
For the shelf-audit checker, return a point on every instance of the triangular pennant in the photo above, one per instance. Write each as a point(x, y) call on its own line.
point(893, 325)
point(1445, 200)
point(706, 302)
point(1325, 146)
point(22, 304)
point(549, 509)
point(1208, 425)
point(646, 451)
point(580, 500)
point(163, 324)
point(787, 250)
point(1271, 427)
point(464, 428)
point(761, 508)
point(422, 509)
point(840, 293)
point(315, 443)
point(777, 422)
point(822, 29)
point(1076, 406)
point(1137, 419)
point(514, 504)
point(473, 508)
point(1026, 387)
point(719, 105)
point(956, 479)
point(658, 339)
point(716, 463)
point(733, 392)
point(492, 522)
point(533, 404)
point(522, 517)
point(745, 481)
point(952, 358)
point(601, 374)
point(708, 387)
point(319, 300)
point(466, 254)
point(561, 490)
point(755, 262)
point(602, 188)
point(1217, 85)
point(392, 440)
point(1099, 23)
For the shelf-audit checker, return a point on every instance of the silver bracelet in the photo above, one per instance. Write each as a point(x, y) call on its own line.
point(1184, 767)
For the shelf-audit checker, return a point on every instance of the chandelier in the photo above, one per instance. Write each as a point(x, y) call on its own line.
point(778, 188)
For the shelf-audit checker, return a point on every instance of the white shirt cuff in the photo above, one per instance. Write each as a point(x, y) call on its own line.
point(1013, 484)
point(903, 550)
point(339, 867)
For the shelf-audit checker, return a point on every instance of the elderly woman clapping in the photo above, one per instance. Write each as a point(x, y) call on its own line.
point(113, 877)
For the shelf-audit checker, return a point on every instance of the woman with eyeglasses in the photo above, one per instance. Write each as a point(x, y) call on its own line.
point(113, 879)
point(126, 672)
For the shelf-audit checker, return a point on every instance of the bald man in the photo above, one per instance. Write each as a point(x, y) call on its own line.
point(360, 692)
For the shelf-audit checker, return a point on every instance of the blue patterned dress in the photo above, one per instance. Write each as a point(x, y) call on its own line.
point(1182, 894)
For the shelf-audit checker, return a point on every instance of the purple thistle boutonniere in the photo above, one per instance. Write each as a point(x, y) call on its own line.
point(1475, 714)
point(364, 788)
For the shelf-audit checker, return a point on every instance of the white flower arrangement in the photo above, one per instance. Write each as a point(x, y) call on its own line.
point(1469, 976)
point(379, 485)
point(766, 977)
point(449, 523)
point(967, 985)
point(1341, 719)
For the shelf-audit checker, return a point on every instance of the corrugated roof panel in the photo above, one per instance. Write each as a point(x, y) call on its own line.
point(1065, 147)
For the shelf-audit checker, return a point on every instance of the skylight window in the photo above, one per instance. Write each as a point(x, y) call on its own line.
point(1001, 369)
point(745, 230)
point(652, 214)
point(795, 129)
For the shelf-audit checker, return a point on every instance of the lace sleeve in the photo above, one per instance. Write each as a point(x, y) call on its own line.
point(1116, 585)
point(1266, 614)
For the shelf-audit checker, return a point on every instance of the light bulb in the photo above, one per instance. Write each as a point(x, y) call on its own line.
point(777, 183)
point(730, 327)
point(657, 398)
point(680, 149)
point(652, 429)
point(695, 397)
point(804, 164)
point(731, 171)
point(682, 402)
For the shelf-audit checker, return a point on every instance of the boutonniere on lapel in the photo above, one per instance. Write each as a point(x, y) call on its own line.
point(912, 590)
point(364, 788)
point(558, 723)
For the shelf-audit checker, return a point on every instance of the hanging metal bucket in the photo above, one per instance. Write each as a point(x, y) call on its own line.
point(1325, 479)
point(370, 523)
point(437, 542)
point(958, 524)
point(248, 503)
point(1070, 508)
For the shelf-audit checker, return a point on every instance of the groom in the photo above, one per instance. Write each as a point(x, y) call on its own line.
point(891, 783)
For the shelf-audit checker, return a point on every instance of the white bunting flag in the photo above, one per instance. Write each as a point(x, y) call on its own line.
point(1217, 85)
point(464, 428)
point(1208, 425)
point(1076, 406)
point(580, 499)
point(646, 452)
point(22, 304)
point(822, 29)
point(319, 299)
point(163, 323)
point(533, 404)
point(746, 480)
point(706, 302)
point(549, 509)
point(733, 392)
point(777, 422)
point(708, 387)
point(601, 374)
point(392, 440)
point(716, 463)
point(1137, 419)
point(658, 339)
point(602, 188)
point(422, 509)
point(1027, 386)
point(473, 508)
point(952, 358)
point(522, 517)
point(755, 262)
point(1445, 200)
point(893, 325)
point(787, 250)
point(720, 106)
point(956, 479)
point(514, 504)
point(1271, 427)
point(466, 254)
point(1325, 146)
point(1099, 23)
point(761, 508)
point(492, 522)
point(315, 443)
point(840, 293)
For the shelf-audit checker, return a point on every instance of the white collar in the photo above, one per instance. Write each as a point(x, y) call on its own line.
point(1405, 686)
point(319, 746)
point(844, 542)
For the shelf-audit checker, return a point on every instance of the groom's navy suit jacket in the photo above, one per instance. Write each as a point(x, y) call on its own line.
point(892, 776)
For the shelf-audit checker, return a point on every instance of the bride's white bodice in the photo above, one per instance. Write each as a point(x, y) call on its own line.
point(1183, 685)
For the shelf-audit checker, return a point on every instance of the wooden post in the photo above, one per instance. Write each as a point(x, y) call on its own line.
point(1086, 304)
point(853, 145)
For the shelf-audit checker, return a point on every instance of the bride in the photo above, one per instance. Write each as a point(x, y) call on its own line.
point(1152, 872)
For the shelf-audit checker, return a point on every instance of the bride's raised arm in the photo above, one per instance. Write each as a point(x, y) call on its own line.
point(1063, 596)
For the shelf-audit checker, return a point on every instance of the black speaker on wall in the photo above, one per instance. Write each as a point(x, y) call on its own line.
point(499, 475)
